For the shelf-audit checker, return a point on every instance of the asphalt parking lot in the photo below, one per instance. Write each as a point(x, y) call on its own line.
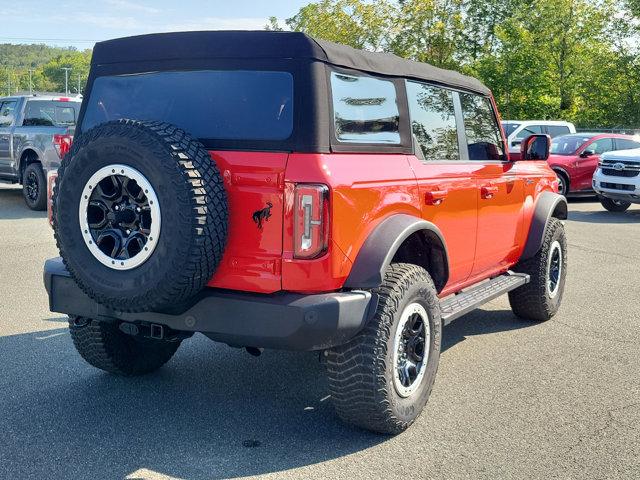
point(512, 399)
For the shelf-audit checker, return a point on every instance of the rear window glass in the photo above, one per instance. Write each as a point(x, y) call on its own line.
point(365, 109)
point(225, 105)
point(42, 113)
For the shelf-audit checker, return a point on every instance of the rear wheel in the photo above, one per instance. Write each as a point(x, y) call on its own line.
point(105, 347)
point(382, 379)
point(614, 205)
point(34, 187)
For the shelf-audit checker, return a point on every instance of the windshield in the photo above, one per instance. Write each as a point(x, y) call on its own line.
point(212, 104)
point(509, 128)
point(568, 144)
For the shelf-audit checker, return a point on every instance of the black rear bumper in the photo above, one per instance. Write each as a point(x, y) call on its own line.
point(282, 321)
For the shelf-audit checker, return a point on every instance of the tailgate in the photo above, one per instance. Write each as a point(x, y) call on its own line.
point(254, 182)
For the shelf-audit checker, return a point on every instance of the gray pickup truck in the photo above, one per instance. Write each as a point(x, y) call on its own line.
point(35, 133)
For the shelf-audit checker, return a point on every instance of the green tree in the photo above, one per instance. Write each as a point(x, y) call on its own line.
point(79, 62)
point(357, 23)
point(429, 31)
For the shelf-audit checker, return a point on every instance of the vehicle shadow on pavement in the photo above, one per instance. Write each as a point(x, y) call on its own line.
point(605, 217)
point(481, 322)
point(211, 412)
point(12, 206)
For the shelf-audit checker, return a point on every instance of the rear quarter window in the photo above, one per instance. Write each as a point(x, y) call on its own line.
point(209, 104)
point(365, 110)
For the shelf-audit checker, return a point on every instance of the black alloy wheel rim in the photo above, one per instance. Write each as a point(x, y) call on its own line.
point(32, 186)
point(119, 217)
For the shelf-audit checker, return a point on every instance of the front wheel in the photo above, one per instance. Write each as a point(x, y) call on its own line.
point(563, 184)
point(382, 379)
point(104, 346)
point(540, 299)
point(614, 205)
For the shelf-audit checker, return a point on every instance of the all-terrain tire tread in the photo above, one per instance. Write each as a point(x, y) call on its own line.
point(205, 197)
point(103, 346)
point(531, 301)
point(357, 383)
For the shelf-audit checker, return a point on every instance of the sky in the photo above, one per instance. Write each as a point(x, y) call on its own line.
point(81, 23)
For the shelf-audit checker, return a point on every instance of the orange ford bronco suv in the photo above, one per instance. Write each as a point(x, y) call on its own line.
point(270, 190)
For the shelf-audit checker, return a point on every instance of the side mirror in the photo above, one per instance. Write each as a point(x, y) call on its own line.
point(587, 153)
point(535, 147)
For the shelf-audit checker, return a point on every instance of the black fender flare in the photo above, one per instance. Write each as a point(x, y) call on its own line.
point(382, 244)
point(549, 205)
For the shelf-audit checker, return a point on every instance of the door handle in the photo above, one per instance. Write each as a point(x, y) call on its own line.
point(435, 197)
point(488, 192)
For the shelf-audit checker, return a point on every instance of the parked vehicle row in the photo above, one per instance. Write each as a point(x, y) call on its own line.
point(575, 157)
point(35, 133)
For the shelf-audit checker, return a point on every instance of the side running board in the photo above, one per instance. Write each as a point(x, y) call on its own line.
point(468, 300)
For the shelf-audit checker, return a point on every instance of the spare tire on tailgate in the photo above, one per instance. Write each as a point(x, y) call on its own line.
point(140, 215)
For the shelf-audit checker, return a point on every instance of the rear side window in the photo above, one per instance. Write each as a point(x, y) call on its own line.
point(211, 104)
point(484, 139)
point(433, 121)
point(365, 110)
point(41, 113)
point(557, 130)
point(625, 144)
point(601, 146)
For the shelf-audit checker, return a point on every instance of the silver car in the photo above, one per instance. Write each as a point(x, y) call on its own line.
point(35, 133)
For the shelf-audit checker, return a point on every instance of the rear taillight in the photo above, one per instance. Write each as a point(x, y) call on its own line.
point(52, 177)
point(311, 220)
point(62, 144)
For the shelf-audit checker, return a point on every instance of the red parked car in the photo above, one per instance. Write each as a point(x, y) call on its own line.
point(575, 157)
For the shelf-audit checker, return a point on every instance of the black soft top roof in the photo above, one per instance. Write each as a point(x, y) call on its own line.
point(265, 44)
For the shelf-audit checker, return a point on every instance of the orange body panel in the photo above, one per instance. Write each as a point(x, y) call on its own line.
point(483, 210)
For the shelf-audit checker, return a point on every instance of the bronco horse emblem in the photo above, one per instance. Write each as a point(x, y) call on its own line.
point(262, 215)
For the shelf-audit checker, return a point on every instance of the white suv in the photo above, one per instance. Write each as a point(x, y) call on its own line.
point(517, 130)
point(617, 179)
